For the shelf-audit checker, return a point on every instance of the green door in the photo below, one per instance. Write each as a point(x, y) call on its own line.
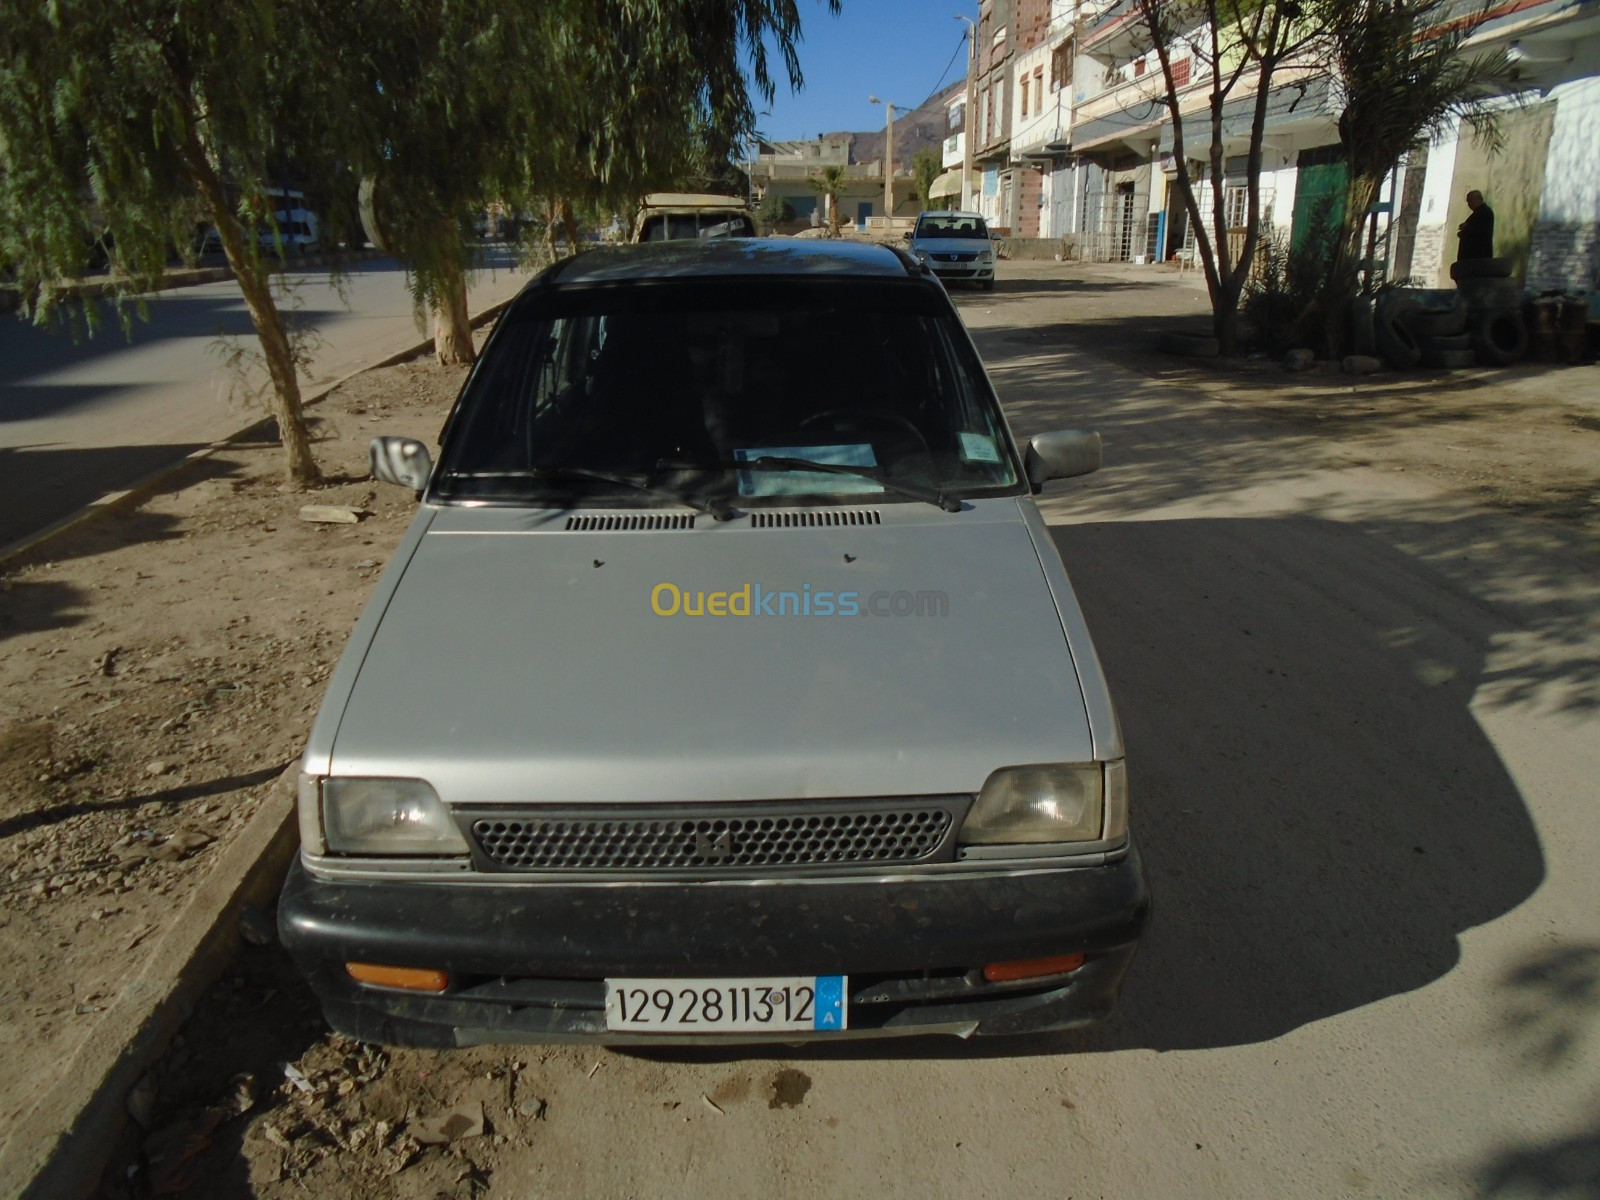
point(1319, 195)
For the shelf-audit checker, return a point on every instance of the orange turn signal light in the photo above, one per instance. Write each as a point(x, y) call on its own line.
point(1031, 968)
point(412, 979)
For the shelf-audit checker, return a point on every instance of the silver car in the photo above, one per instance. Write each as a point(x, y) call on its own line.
point(955, 246)
point(727, 686)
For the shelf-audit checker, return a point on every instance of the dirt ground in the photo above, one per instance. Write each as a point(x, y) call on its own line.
point(161, 667)
point(1525, 439)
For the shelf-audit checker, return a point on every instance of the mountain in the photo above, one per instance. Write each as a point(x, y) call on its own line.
point(926, 125)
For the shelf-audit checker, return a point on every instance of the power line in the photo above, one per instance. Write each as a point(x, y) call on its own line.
point(946, 72)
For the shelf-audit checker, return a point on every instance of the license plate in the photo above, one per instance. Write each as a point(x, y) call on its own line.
point(810, 1002)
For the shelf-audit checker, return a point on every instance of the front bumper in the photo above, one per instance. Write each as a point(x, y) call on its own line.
point(528, 961)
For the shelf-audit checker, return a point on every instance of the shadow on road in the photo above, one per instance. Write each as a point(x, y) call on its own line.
point(44, 483)
point(186, 313)
point(170, 797)
point(1320, 814)
point(1552, 1008)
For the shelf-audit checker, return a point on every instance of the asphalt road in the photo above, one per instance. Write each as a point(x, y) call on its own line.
point(80, 418)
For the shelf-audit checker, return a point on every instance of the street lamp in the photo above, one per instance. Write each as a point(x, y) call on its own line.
point(888, 164)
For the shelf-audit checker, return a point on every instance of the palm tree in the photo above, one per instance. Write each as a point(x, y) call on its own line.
point(830, 186)
point(1399, 67)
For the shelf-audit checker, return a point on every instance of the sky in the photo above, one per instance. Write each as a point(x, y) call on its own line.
point(892, 49)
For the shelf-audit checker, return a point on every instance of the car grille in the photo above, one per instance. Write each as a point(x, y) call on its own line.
point(705, 839)
point(628, 522)
point(796, 520)
point(955, 258)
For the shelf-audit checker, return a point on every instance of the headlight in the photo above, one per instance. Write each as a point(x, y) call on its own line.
point(387, 817)
point(922, 255)
point(1049, 803)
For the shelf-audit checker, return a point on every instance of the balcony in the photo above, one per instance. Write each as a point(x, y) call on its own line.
point(1121, 33)
point(1045, 131)
point(1117, 35)
point(955, 150)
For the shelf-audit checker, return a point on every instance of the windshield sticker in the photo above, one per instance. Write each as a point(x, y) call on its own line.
point(978, 447)
point(778, 482)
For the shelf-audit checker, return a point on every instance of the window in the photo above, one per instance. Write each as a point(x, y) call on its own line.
point(1024, 96)
point(1038, 89)
point(1061, 66)
point(1139, 68)
point(1180, 72)
point(1236, 206)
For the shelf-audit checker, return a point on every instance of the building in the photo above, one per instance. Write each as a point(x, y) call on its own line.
point(788, 168)
point(1069, 135)
point(1543, 183)
point(1041, 120)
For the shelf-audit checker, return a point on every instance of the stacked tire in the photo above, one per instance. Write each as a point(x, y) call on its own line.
point(1493, 302)
point(1443, 336)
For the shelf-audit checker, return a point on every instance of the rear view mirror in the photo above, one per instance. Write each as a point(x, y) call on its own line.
point(400, 460)
point(906, 235)
point(1062, 454)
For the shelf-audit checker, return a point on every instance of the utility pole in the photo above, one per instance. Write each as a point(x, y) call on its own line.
point(888, 171)
point(888, 163)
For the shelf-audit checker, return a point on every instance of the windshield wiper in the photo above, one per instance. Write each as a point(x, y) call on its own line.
point(716, 509)
point(781, 462)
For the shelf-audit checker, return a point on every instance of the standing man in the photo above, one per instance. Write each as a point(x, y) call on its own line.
point(1476, 233)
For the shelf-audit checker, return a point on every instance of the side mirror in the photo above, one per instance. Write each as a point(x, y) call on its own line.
point(906, 236)
point(400, 460)
point(1062, 454)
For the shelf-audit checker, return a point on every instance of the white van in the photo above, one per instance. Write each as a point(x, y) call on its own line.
point(298, 230)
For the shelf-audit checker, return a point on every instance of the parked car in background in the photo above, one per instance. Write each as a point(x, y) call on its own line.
point(722, 689)
point(674, 216)
point(955, 246)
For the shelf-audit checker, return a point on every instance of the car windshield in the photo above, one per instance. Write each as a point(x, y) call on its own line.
point(725, 392)
point(952, 227)
point(665, 227)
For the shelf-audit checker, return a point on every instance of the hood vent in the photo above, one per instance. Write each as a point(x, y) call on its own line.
point(629, 523)
point(832, 516)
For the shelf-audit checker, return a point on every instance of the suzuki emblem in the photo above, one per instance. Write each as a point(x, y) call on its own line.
point(714, 847)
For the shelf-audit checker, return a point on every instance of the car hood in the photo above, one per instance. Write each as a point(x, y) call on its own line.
point(952, 245)
point(517, 661)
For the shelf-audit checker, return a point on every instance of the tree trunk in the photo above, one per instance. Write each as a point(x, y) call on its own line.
point(550, 227)
point(571, 224)
point(452, 328)
point(1225, 326)
point(300, 467)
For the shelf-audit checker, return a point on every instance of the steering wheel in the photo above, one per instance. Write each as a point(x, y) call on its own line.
point(857, 416)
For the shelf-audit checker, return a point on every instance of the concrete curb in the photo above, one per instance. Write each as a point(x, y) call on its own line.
point(60, 1149)
point(143, 488)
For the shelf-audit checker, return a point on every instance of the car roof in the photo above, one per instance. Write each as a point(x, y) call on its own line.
point(940, 212)
point(691, 200)
point(720, 257)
